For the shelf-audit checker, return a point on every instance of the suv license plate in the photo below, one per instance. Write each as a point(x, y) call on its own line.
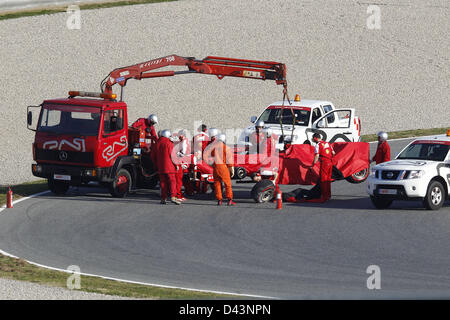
point(387, 191)
point(61, 177)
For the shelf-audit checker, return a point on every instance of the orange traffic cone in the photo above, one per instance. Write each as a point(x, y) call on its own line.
point(9, 198)
point(279, 198)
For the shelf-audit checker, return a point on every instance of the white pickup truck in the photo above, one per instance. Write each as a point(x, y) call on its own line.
point(421, 171)
point(310, 116)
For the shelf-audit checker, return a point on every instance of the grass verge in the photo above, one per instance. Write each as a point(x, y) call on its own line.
point(23, 190)
point(18, 269)
point(86, 6)
point(406, 134)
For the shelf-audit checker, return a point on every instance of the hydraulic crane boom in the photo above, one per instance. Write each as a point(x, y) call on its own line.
point(221, 67)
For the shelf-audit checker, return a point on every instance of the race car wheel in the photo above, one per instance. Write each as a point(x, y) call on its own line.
point(435, 196)
point(359, 176)
point(58, 187)
point(380, 203)
point(121, 185)
point(240, 173)
point(263, 191)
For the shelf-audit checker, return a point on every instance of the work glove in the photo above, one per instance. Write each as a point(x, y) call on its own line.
point(231, 172)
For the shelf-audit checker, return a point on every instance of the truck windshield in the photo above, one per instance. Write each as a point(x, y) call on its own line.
point(272, 116)
point(425, 151)
point(61, 119)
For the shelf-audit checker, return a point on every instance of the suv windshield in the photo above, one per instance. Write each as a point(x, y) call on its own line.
point(272, 116)
point(425, 151)
point(62, 119)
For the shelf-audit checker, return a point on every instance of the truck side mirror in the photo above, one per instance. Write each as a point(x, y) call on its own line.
point(29, 118)
point(253, 119)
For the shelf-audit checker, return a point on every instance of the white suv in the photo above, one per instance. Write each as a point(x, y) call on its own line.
point(420, 171)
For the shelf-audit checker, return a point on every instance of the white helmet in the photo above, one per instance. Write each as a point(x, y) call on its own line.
point(383, 135)
point(259, 123)
point(166, 133)
point(222, 137)
point(268, 132)
point(182, 132)
point(152, 118)
point(213, 132)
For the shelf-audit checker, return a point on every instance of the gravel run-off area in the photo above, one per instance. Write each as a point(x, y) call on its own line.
point(19, 290)
point(396, 77)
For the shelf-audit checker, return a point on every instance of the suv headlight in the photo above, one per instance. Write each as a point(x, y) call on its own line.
point(415, 174)
point(373, 172)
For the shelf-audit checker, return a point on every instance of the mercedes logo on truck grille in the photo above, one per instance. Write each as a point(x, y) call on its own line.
point(63, 156)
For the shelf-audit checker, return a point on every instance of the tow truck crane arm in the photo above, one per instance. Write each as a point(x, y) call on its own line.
point(219, 66)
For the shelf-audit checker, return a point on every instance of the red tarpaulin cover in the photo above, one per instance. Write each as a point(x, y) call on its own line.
point(351, 157)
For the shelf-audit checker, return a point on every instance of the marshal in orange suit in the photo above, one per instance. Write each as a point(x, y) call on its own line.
point(221, 158)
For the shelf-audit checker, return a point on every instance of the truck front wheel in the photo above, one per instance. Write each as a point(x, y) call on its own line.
point(121, 185)
point(58, 187)
point(435, 196)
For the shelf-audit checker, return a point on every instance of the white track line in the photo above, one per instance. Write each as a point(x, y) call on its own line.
point(122, 280)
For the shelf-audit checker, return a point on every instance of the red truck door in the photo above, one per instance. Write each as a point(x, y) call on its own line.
point(113, 137)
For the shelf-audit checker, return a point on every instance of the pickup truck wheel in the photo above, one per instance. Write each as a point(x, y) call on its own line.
point(359, 176)
point(435, 196)
point(380, 203)
point(58, 187)
point(263, 191)
point(240, 173)
point(121, 184)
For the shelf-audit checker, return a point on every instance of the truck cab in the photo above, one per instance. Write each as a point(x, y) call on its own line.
point(302, 118)
point(78, 140)
point(421, 171)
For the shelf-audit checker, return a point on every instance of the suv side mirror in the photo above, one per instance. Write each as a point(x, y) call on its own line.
point(253, 119)
point(318, 124)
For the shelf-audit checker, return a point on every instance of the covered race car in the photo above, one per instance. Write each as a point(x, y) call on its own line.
point(351, 162)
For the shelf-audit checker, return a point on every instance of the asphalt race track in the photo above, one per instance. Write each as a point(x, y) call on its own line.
point(303, 251)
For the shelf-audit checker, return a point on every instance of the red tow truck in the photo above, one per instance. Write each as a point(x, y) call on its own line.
point(86, 137)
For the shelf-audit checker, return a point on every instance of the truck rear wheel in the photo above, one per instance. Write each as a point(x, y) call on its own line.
point(121, 185)
point(58, 187)
point(380, 203)
point(359, 176)
point(263, 191)
point(435, 196)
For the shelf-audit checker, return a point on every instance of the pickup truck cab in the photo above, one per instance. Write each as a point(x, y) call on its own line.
point(421, 171)
point(311, 116)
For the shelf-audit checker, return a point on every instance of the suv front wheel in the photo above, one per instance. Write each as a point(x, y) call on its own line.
point(435, 196)
point(380, 203)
